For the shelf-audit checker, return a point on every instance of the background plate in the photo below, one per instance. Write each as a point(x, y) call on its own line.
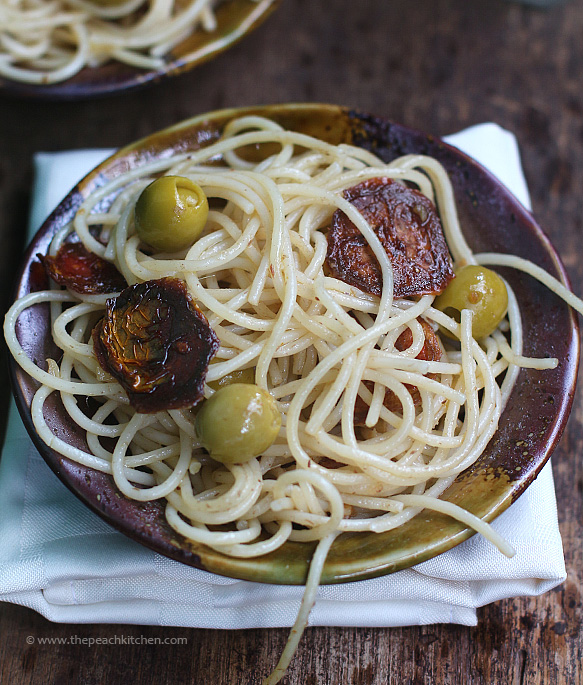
point(493, 220)
point(235, 19)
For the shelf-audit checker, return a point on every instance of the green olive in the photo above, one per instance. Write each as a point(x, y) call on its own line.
point(238, 376)
point(479, 289)
point(171, 213)
point(239, 422)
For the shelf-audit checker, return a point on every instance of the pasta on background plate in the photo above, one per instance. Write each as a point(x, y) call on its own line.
point(284, 349)
point(45, 42)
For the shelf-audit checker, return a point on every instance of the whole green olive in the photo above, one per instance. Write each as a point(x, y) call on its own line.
point(237, 376)
point(239, 422)
point(171, 213)
point(479, 289)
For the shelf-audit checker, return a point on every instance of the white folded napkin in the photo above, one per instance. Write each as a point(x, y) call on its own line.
point(60, 559)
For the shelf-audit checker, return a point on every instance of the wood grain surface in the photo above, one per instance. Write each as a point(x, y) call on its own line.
point(437, 65)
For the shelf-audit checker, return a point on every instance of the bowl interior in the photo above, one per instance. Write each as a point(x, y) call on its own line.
point(531, 425)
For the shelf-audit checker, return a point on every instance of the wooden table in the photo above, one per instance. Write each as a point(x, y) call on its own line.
point(437, 65)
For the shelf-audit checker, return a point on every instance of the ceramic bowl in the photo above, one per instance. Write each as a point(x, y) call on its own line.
point(235, 19)
point(493, 220)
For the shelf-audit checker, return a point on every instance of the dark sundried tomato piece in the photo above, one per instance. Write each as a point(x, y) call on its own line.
point(409, 229)
point(157, 343)
point(431, 351)
point(82, 271)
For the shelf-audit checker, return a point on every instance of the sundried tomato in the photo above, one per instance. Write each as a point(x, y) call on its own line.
point(83, 271)
point(157, 343)
point(431, 351)
point(407, 224)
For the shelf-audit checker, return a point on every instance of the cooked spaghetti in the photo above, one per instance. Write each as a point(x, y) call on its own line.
point(323, 349)
point(44, 42)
